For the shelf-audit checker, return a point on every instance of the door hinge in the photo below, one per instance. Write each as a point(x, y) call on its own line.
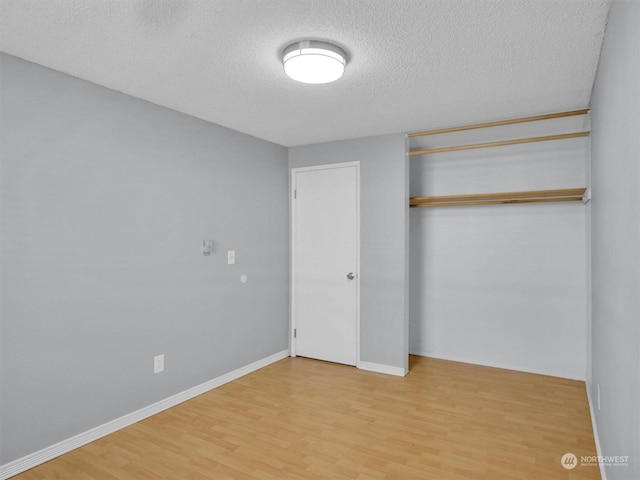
point(295, 194)
point(295, 333)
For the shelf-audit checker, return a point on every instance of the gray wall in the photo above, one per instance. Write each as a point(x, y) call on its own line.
point(105, 202)
point(615, 242)
point(383, 237)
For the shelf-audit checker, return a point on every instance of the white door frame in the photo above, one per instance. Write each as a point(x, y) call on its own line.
point(329, 166)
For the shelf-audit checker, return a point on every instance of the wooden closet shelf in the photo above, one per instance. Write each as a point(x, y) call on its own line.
point(532, 196)
point(500, 143)
point(498, 123)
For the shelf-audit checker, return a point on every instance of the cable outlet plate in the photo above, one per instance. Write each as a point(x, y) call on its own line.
point(207, 247)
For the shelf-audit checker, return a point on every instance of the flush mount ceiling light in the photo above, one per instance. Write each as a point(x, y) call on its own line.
point(312, 61)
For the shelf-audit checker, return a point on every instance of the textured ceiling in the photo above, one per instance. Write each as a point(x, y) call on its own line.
point(413, 64)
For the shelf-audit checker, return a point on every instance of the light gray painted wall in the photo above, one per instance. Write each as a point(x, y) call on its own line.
point(501, 285)
point(105, 202)
point(615, 211)
point(383, 236)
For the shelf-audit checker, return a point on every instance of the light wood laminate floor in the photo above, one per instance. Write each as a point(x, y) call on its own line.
point(306, 419)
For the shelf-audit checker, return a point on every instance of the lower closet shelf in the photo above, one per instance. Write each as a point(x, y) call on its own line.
point(533, 196)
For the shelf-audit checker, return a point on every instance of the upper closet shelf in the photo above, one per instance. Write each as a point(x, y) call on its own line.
point(501, 142)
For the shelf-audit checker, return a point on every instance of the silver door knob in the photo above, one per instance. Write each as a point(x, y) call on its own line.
point(351, 275)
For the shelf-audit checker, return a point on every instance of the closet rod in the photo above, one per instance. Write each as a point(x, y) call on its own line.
point(533, 196)
point(501, 143)
point(498, 123)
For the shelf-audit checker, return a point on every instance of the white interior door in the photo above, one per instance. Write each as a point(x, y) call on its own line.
point(325, 257)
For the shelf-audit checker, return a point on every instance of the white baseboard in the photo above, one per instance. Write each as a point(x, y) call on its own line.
point(380, 368)
point(599, 453)
point(48, 453)
point(497, 365)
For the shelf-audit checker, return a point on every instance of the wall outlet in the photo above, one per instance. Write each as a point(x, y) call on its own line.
point(158, 363)
point(231, 257)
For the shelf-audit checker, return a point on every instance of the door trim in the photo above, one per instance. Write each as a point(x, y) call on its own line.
point(292, 319)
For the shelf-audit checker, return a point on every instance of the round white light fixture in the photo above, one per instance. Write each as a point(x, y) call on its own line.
point(312, 61)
